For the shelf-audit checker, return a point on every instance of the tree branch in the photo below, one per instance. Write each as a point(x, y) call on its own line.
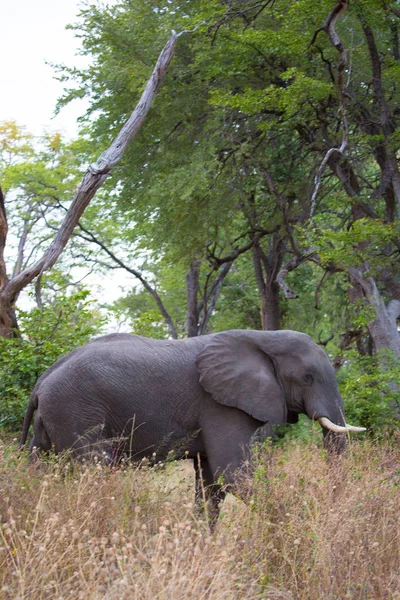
point(211, 298)
point(26, 229)
point(329, 28)
point(218, 261)
point(167, 318)
point(292, 264)
point(3, 239)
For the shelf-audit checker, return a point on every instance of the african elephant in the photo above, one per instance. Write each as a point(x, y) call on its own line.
point(203, 397)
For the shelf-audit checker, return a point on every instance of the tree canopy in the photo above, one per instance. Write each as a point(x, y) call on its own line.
point(275, 133)
point(263, 190)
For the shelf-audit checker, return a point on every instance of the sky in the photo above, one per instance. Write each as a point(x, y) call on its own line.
point(33, 32)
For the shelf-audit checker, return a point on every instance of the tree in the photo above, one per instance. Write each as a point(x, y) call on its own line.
point(276, 127)
point(96, 174)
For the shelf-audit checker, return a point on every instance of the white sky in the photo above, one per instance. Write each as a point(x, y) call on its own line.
point(33, 32)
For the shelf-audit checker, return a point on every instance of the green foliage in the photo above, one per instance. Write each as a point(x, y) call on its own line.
point(238, 306)
point(304, 432)
point(46, 335)
point(370, 388)
point(363, 241)
point(150, 324)
point(38, 176)
point(139, 308)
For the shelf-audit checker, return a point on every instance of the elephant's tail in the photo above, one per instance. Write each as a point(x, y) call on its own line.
point(30, 409)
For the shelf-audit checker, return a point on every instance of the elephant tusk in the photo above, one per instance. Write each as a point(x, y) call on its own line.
point(325, 422)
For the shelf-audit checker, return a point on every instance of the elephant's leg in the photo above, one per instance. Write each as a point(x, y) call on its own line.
point(227, 435)
point(40, 441)
point(208, 494)
point(263, 433)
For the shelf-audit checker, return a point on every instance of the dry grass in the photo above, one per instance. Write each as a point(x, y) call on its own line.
point(310, 531)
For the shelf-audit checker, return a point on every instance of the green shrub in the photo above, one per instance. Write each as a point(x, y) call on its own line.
point(46, 335)
point(370, 386)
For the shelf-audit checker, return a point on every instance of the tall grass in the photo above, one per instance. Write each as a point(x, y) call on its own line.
point(310, 530)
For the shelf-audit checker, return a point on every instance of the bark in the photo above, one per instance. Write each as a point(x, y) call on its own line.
point(272, 310)
point(266, 269)
point(192, 288)
point(3, 239)
point(383, 329)
point(8, 319)
point(92, 181)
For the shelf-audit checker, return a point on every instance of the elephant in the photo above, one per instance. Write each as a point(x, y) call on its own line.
point(203, 397)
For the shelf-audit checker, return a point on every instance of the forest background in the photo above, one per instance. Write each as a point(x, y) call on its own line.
point(262, 191)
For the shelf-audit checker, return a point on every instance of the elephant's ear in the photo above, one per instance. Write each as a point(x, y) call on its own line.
point(237, 373)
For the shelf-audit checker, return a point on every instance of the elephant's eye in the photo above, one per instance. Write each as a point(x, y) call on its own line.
point(308, 378)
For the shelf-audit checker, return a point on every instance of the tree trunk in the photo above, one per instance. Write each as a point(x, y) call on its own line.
point(383, 329)
point(8, 319)
point(265, 268)
point(272, 309)
point(192, 288)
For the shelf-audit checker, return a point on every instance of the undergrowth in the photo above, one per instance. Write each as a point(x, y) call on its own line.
point(311, 529)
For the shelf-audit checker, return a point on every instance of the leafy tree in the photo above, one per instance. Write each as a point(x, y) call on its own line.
point(275, 133)
point(250, 130)
point(370, 392)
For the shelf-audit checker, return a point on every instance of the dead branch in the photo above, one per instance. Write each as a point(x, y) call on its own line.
point(292, 264)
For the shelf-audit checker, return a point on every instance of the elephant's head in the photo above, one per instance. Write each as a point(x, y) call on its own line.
point(274, 376)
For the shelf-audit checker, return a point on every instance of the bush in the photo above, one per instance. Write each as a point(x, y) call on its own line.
point(370, 388)
point(45, 336)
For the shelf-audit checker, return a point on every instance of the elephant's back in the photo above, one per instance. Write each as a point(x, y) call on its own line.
point(120, 378)
point(122, 350)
